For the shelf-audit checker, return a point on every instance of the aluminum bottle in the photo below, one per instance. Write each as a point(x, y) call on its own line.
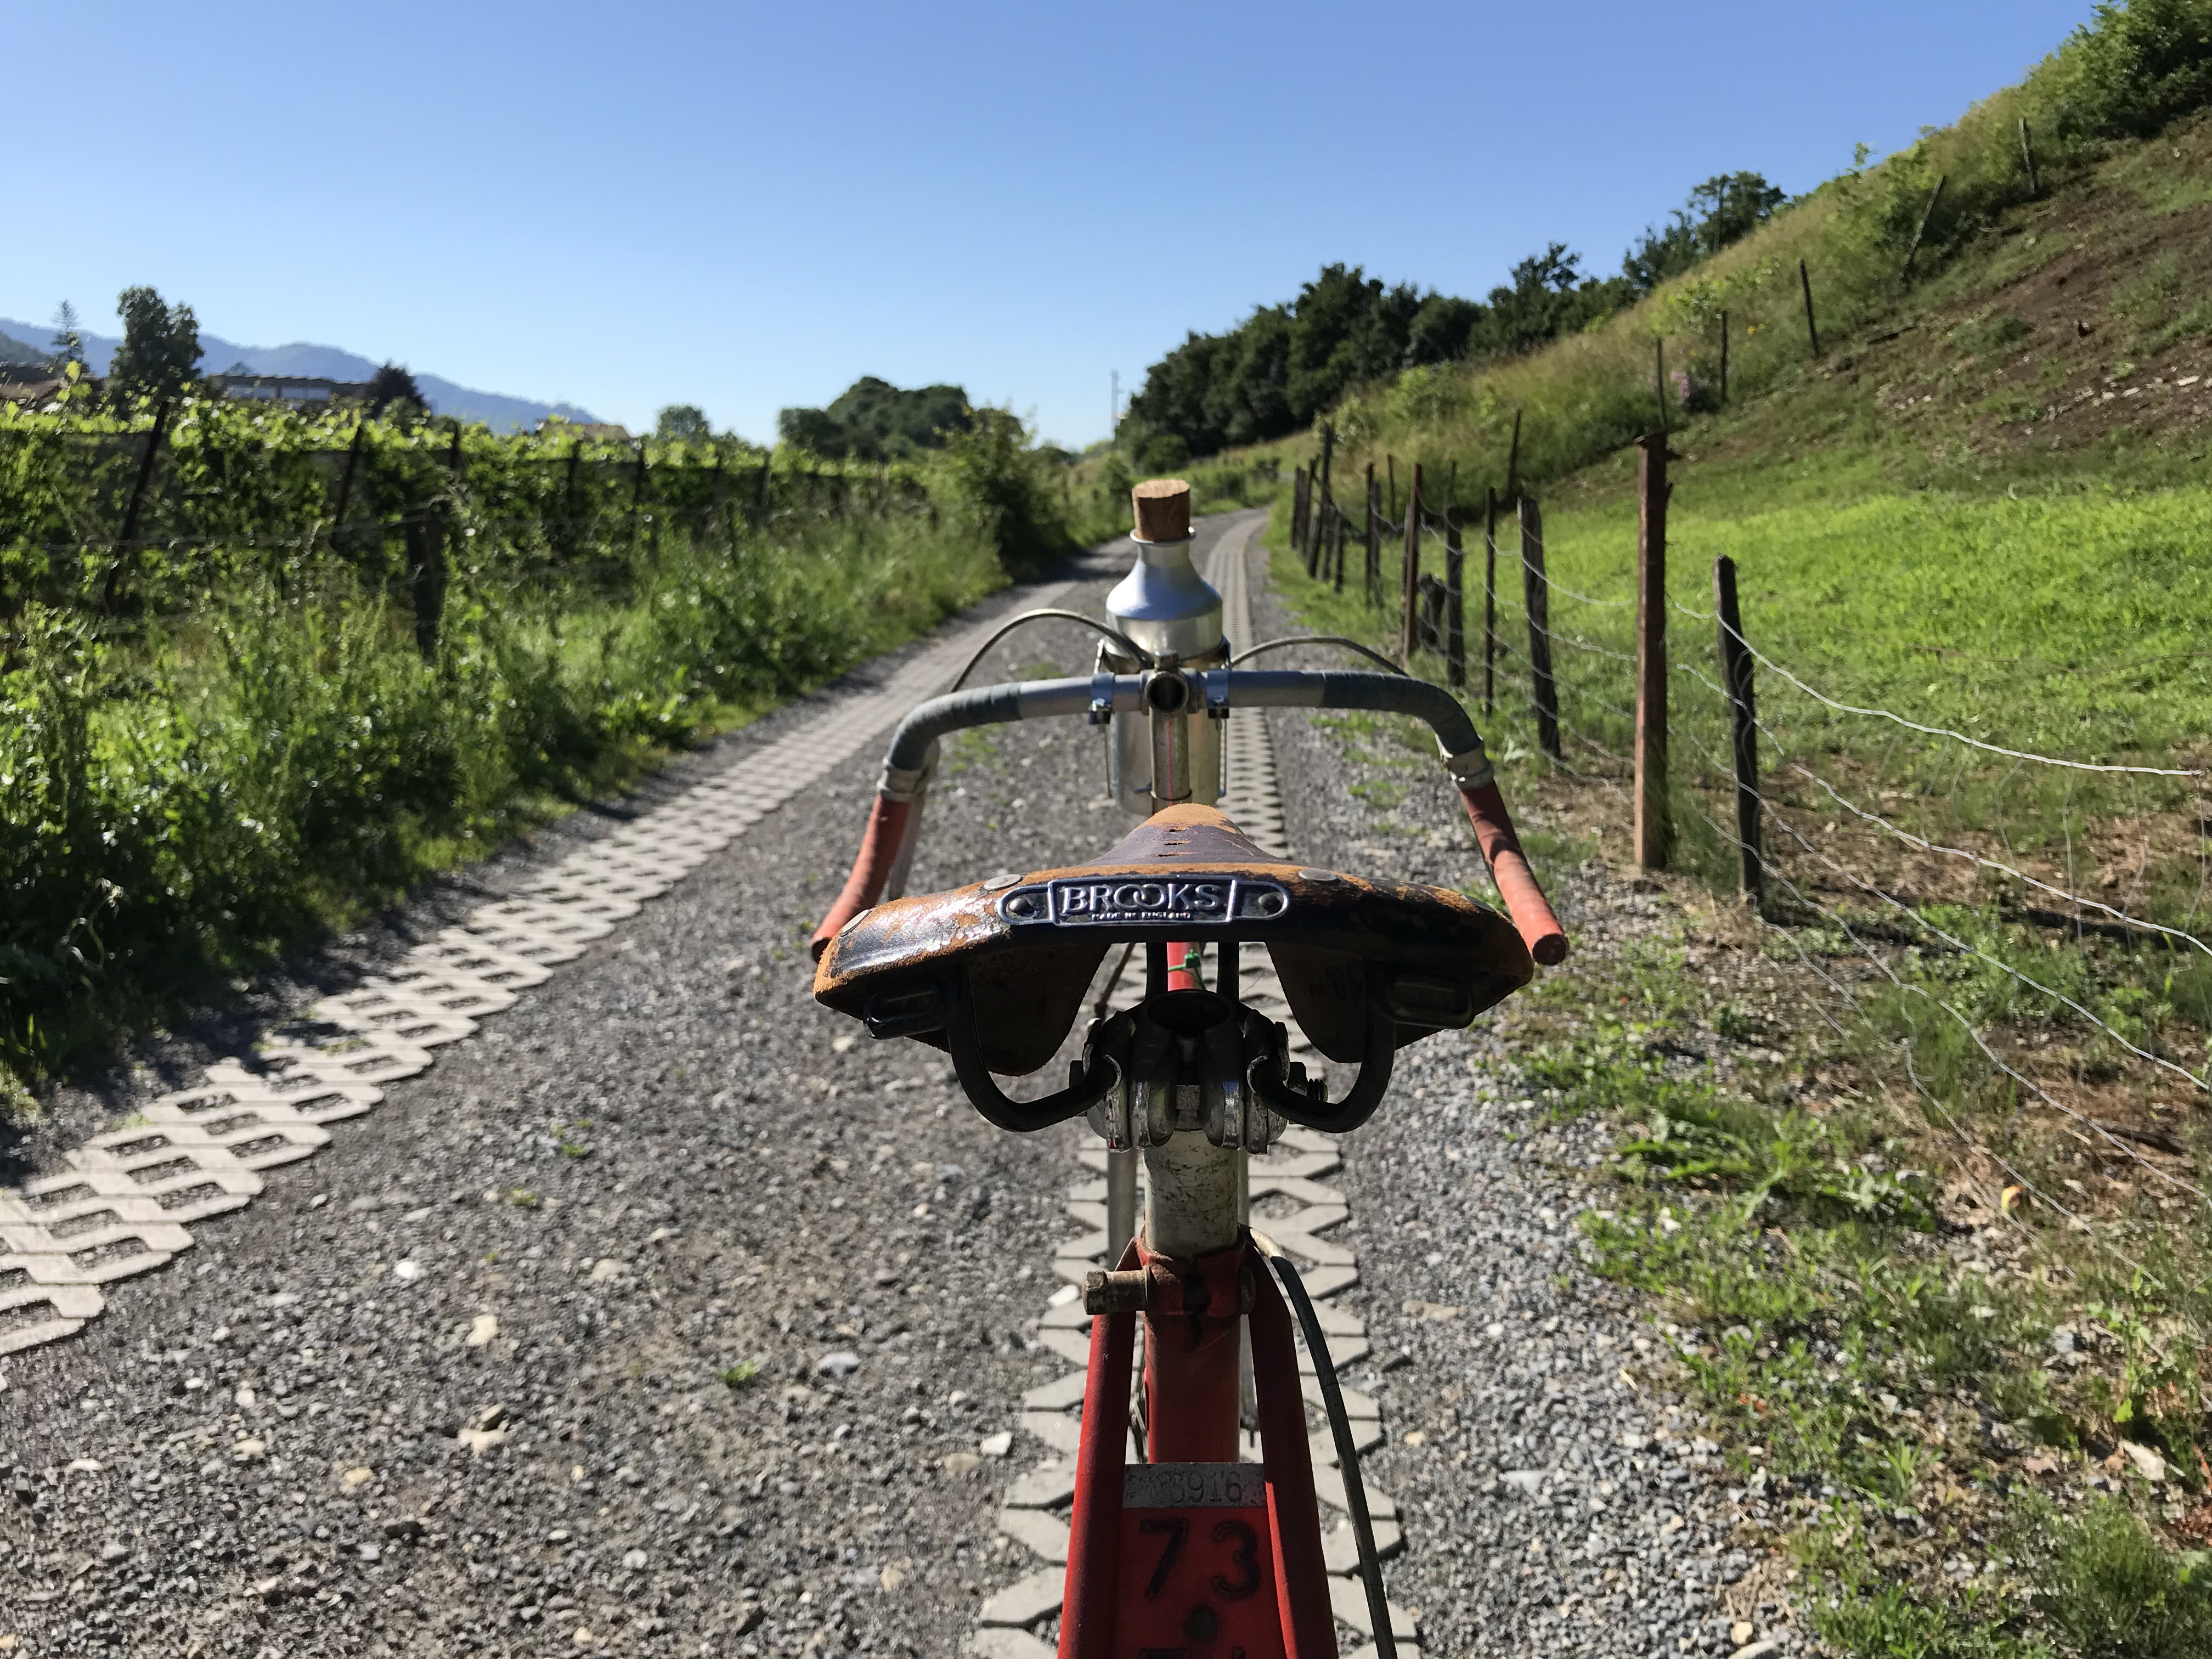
point(1157, 759)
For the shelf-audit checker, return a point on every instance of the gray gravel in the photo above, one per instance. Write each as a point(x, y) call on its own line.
point(651, 1320)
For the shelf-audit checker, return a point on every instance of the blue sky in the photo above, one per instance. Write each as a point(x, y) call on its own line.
point(747, 207)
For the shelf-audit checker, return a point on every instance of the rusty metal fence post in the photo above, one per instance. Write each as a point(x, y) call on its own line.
point(1652, 829)
point(1410, 573)
point(1736, 668)
point(1454, 601)
point(1536, 596)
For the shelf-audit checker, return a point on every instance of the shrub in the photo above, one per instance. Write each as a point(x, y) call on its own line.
point(998, 487)
point(2138, 65)
point(2114, 1591)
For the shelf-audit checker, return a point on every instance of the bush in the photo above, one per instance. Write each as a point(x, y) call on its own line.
point(2114, 1591)
point(2140, 65)
point(1000, 492)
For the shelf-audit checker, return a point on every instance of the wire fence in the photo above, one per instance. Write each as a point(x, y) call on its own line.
point(2003, 937)
point(120, 517)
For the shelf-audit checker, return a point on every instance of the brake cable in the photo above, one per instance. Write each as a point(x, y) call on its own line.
point(1315, 639)
point(1348, 1449)
point(1128, 644)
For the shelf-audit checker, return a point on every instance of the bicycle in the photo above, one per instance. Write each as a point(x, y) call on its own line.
point(1190, 1553)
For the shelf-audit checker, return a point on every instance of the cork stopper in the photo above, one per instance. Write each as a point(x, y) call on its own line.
point(1162, 510)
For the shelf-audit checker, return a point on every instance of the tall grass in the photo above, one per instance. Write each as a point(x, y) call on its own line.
point(180, 800)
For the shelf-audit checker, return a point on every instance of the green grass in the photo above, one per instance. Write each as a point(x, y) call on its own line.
point(185, 799)
point(1786, 1231)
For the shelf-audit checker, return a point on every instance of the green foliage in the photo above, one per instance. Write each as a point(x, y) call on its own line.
point(874, 420)
point(160, 351)
point(1003, 491)
point(1274, 372)
point(1286, 365)
point(2136, 67)
point(257, 749)
point(1991, 331)
point(1721, 212)
point(2113, 1591)
point(393, 395)
point(1162, 453)
point(682, 423)
point(1879, 1618)
point(68, 343)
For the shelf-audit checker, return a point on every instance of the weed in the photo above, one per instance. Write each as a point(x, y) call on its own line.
point(2113, 1590)
point(741, 1375)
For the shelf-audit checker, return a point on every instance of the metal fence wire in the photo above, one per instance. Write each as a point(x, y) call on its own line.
point(90, 518)
point(1927, 899)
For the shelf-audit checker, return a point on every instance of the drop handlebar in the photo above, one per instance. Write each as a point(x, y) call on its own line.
point(894, 818)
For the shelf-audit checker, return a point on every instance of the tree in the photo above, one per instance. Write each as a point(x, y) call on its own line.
point(393, 387)
point(1285, 364)
point(874, 420)
point(68, 341)
point(812, 430)
point(160, 355)
point(1725, 209)
point(683, 420)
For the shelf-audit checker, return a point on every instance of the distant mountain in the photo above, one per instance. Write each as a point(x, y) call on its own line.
point(496, 410)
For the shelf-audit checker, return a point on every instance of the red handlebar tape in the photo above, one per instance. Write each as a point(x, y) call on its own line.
point(1516, 883)
point(879, 849)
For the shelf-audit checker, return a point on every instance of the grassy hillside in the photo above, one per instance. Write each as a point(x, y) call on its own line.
point(1912, 1160)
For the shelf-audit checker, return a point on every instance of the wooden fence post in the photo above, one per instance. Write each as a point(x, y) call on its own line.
point(1724, 343)
point(1536, 597)
point(637, 494)
point(2028, 155)
point(1513, 465)
point(1374, 541)
point(1812, 329)
point(1411, 573)
point(1390, 471)
point(1328, 459)
point(1454, 600)
point(1336, 543)
point(1912, 251)
point(126, 548)
point(1489, 600)
point(1659, 379)
point(345, 478)
point(571, 539)
point(1651, 825)
point(425, 529)
point(1298, 504)
point(1736, 667)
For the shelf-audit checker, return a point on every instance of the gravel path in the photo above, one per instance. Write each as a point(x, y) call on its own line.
point(661, 1317)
